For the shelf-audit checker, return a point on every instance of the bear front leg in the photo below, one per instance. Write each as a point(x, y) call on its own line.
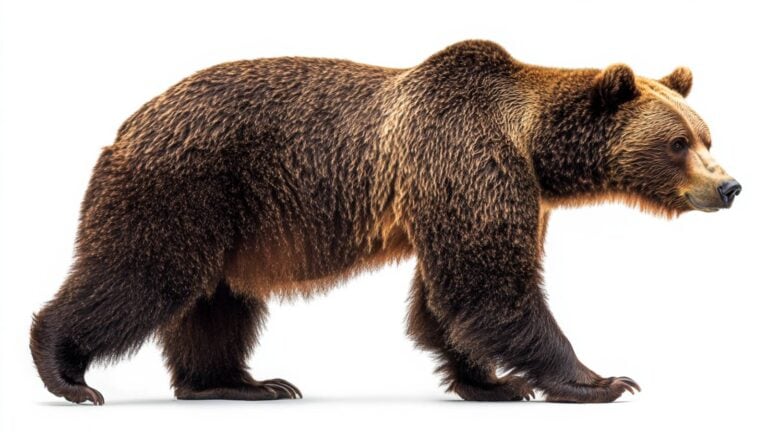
point(552, 366)
point(492, 314)
point(471, 381)
point(479, 264)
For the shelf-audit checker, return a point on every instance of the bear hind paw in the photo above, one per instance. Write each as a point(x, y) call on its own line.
point(258, 390)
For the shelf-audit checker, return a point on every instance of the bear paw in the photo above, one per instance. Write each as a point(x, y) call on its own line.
point(601, 390)
point(508, 388)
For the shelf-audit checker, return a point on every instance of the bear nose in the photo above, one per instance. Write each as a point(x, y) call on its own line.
point(728, 191)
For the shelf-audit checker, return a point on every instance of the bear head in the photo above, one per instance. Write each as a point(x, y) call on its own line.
point(661, 158)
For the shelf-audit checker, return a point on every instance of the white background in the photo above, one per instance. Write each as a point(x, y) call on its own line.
point(678, 305)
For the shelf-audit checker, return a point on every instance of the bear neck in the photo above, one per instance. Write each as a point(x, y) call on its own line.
point(570, 148)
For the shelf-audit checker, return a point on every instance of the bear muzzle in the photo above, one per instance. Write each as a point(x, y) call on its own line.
point(710, 188)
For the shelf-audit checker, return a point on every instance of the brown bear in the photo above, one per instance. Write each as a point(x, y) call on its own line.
point(285, 176)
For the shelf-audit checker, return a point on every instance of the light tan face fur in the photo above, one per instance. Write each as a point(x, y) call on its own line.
point(664, 155)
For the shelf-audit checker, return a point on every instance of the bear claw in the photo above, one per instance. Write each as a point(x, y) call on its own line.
point(625, 383)
point(283, 386)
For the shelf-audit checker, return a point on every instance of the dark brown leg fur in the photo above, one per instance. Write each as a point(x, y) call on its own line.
point(207, 347)
point(478, 289)
point(525, 339)
point(471, 381)
point(97, 315)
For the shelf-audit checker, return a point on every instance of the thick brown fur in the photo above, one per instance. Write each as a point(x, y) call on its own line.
point(285, 176)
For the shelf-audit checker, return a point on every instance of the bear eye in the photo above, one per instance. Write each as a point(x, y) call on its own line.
point(679, 144)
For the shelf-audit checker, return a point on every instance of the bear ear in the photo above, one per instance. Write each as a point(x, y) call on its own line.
point(615, 85)
point(680, 80)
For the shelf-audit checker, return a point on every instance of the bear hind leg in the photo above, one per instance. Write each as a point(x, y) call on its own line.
point(98, 314)
point(470, 380)
point(206, 349)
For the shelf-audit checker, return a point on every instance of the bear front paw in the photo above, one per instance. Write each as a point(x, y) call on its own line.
point(599, 391)
point(508, 388)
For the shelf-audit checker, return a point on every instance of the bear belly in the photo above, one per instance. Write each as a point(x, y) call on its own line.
point(292, 265)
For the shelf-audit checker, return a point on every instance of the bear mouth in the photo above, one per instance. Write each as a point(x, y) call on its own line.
point(698, 205)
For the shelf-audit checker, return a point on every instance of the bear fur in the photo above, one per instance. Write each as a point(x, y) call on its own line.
point(285, 176)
